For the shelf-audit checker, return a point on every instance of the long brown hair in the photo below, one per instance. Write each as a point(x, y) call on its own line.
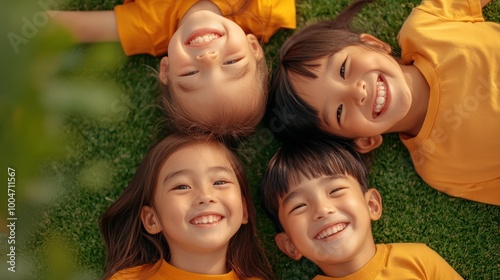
point(127, 242)
point(287, 114)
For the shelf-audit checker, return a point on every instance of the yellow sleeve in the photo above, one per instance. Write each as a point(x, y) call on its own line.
point(146, 26)
point(437, 267)
point(283, 15)
point(262, 18)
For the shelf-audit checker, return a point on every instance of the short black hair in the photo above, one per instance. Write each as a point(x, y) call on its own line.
point(313, 157)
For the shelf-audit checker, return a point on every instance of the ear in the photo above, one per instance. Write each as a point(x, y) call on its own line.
point(286, 246)
point(255, 46)
point(164, 70)
point(150, 220)
point(374, 202)
point(245, 210)
point(367, 144)
point(374, 41)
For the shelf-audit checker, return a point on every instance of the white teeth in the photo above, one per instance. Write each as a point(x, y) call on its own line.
point(381, 93)
point(331, 231)
point(207, 219)
point(380, 100)
point(203, 39)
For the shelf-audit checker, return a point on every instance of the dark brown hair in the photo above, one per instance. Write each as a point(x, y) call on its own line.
point(316, 156)
point(127, 242)
point(288, 115)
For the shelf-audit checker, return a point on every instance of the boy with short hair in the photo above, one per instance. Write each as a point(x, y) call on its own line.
point(317, 193)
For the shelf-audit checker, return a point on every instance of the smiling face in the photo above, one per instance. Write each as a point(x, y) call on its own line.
point(359, 92)
point(328, 221)
point(213, 64)
point(198, 204)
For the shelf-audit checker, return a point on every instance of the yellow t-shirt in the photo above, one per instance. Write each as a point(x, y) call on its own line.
point(168, 272)
point(457, 150)
point(146, 26)
point(402, 261)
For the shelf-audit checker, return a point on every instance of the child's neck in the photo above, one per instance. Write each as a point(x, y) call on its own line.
point(419, 88)
point(203, 5)
point(211, 263)
point(353, 264)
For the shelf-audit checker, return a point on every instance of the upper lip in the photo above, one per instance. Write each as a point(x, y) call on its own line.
point(201, 32)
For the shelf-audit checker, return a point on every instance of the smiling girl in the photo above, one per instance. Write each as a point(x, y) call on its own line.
point(214, 77)
point(186, 214)
point(441, 96)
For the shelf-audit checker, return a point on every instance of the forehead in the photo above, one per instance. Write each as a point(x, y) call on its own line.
point(196, 154)
point(301, 185)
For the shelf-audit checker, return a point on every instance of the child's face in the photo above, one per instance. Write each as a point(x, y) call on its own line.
point(360, 92)
point(198, 204)
point(212, 64)
point(328, 221)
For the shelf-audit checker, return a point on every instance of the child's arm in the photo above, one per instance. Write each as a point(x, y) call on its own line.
point(484, 2)
point(88, 26)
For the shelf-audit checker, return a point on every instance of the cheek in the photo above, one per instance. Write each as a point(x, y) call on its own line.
point(174, 207)
point(297, 225)
point(235, 199)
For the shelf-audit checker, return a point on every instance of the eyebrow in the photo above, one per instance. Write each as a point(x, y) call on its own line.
point(242, 72)
point(288, 197)
point(212, 169)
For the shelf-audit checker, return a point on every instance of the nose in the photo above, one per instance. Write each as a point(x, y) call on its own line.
point(357, 92)
point(205, 195)
point(323, 210)
point(207, 56)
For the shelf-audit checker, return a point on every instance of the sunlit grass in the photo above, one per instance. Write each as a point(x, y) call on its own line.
point(77, 120)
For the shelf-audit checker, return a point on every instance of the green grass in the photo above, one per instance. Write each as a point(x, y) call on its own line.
point(74, 158)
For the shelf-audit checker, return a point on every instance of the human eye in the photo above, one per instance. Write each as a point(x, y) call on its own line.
point(339, 112)
point(342, 69)
point(232, 61)
point(336, 191)
point(191, 73)
point(220, 183)
point(297, 207)
point(181, 187)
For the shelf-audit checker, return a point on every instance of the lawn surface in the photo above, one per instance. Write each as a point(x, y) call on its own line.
point(79, 118)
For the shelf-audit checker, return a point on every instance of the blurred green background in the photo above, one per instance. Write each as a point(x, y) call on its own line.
point(76, 120)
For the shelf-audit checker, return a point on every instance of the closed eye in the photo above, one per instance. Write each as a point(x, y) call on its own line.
point(297, 207)
point(190, 73)
point(232, 61)
point(336, 190)
point(339, 112)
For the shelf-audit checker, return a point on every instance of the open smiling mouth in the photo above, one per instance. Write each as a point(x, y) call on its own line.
point(203, 37)
point(207, 219)
point(380, 100)
point(331, 231)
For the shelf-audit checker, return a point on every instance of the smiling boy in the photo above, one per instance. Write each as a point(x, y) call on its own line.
point(317, 193)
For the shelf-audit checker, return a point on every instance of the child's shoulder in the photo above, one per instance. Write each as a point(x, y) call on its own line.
point(132, 272)
point(404, 247)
